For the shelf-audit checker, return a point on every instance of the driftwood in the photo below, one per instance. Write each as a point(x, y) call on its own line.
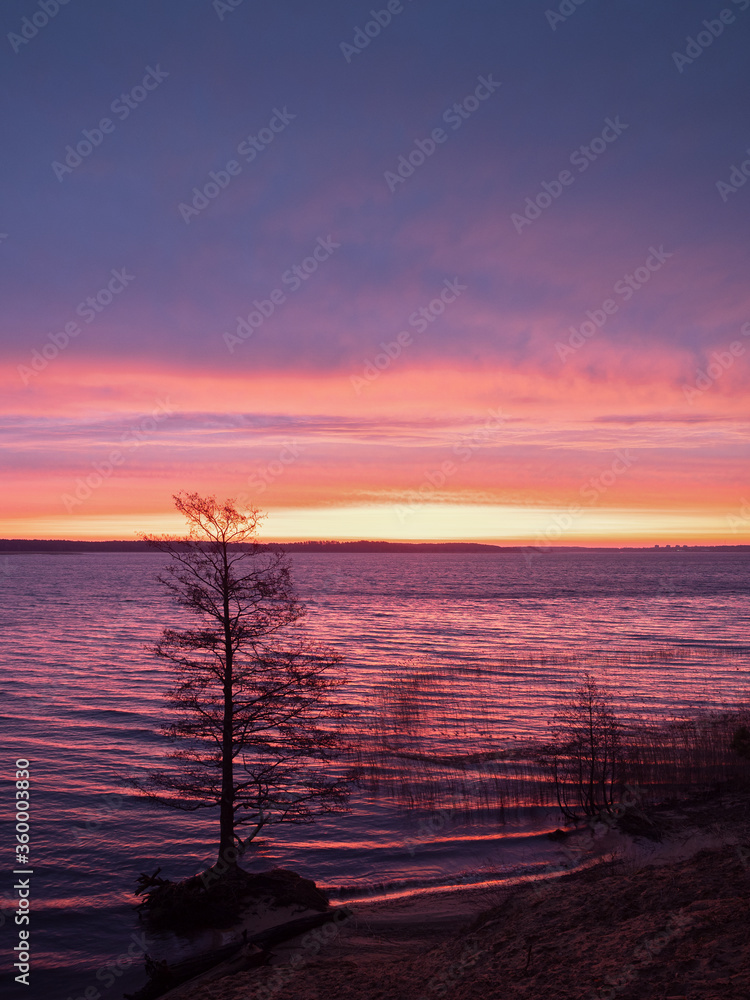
point(166, 980)
point(146, 883)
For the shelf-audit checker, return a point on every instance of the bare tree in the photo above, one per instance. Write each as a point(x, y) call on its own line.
point(253, 696)
point(585, 759)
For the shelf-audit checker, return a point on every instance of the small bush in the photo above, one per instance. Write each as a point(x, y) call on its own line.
point(585, 760)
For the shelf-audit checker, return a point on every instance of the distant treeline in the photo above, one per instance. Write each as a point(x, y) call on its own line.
point(56, 545)
point(62, 545)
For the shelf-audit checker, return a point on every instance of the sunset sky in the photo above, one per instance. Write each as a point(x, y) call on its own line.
point(346, 283)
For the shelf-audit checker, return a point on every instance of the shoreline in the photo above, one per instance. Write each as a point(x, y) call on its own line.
point(65, 546)
point(647, 921)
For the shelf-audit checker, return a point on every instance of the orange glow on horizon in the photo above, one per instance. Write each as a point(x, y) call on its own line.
point(487, 455)
point(426, 523)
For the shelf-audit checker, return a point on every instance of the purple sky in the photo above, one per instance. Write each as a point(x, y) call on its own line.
point(546, 161)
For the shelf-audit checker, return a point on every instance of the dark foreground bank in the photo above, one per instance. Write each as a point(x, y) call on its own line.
point(652, 921)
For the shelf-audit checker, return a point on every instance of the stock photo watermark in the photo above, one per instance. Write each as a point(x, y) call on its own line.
point(327, 588)
point(22, 885)
point(566, 9)
point(31, 26)
point(248, 149)
point(740, 521)
point(719, 363)
point(294, 278)
point(644, 955)
point(110, 971)
point(363, 35)
point(435, 479)
point(122, 106)
point(133, 437)
point(625, 288)
point(738, 177)
point(112, 803)
point(451, 975)
point(310, 945)
point(264, 476)
point(582, 158)
point(454, 116)
point(591, 491)
point(419, 320)
point(429, 828)
point(88, 310)
point(710, 31)
point(224, 7)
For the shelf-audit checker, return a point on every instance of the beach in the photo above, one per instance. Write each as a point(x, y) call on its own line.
point(662, 920)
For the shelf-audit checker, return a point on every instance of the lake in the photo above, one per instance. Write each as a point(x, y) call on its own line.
point(83, 699)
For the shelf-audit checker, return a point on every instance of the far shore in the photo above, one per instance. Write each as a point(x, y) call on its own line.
point(56, 546)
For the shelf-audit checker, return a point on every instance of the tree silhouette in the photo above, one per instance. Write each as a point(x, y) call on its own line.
point(253, 696)
point(586, 756)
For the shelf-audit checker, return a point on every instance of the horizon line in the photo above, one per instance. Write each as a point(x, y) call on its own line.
point(348, 543)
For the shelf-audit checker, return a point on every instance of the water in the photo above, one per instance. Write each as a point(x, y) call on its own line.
point(82, 699)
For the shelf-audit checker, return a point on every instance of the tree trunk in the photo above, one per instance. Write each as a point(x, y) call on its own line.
point(227, 853)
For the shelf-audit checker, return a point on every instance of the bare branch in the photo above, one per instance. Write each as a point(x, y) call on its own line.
point(254, 717)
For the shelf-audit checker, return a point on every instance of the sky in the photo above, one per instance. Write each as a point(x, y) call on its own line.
point(442, 271)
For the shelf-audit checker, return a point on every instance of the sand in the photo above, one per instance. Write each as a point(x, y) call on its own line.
point(667, 921)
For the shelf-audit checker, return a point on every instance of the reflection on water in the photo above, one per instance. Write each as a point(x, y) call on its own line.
point(664, 632)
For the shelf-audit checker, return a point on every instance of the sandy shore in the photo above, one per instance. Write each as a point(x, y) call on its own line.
point(649, 922)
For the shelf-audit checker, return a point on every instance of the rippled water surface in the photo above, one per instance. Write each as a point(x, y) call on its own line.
point(83, 699)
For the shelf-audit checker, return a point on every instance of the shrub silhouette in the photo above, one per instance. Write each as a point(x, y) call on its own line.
point(585, 759)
